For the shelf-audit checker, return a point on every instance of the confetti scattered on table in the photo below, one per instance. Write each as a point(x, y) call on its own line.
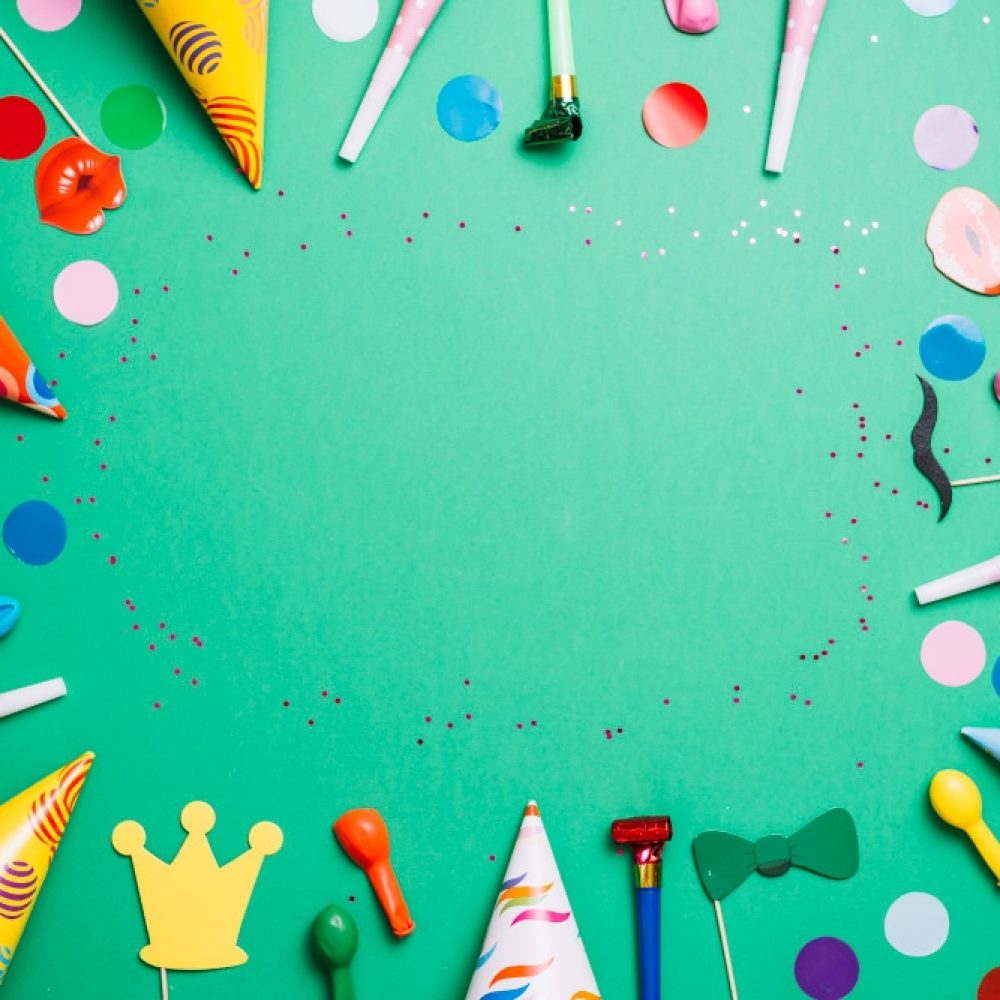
point(930, 8)
point(345, 20)
point(827, 969)
point(675, 115)
point(133, 116)
point(35, 532)
point(946, 137)
point(49, 15)
point(917, 924)
point(22, 127)
point(85, 292)
point(952, 348)
point(469, 108)
point(953, 654)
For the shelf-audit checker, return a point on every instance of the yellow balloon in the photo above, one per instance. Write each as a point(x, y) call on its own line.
point(956, 799)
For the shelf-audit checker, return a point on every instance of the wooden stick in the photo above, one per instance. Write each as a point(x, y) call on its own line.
point(40, 83)
point(975, 481)
point(725, 950)
point(164, 991)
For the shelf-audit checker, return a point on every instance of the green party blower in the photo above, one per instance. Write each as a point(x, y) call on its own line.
point(335, 936)
point(827, 846)
point(561, 119)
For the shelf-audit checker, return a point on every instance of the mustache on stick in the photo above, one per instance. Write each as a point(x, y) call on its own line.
point(923, 454)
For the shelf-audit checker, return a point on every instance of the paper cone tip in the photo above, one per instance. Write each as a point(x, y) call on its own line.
point(531, 809)
point(985, 738)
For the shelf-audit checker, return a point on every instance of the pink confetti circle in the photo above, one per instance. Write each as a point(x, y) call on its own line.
point(49, 15)
point(85, 292)
point(953, 654)
point(675, 115)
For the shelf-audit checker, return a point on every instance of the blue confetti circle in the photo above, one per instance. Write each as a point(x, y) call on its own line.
point(35, 532)
point(952, 348)
point(469, 108)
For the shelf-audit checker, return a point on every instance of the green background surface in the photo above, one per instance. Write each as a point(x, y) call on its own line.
point(579, 479)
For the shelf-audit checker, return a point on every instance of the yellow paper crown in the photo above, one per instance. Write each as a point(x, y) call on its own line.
point(193, 908)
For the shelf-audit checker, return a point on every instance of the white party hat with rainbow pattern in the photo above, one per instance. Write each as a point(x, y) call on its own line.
point(532, 942)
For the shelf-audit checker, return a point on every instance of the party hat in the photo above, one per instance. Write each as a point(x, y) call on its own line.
point(220, 48)
point(986, 739)
point(533, 941)
point(31, 826)
point(19, 378)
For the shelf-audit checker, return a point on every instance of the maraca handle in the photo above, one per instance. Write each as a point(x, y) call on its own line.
point(987, 845)
point(647, 913)
point(343, 985)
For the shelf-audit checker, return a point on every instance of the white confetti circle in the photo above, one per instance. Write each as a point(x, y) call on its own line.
point(917, 924)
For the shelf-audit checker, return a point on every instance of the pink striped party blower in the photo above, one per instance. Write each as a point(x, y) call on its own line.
point(414, 19)
point(801, 28)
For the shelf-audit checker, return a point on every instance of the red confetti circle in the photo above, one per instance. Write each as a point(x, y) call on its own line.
point(22, 128)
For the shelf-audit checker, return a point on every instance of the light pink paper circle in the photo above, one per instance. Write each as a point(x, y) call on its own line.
point(953, 654)
point(85, 292)
point(49, 15)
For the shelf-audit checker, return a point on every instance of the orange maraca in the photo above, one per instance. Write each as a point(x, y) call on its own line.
point(364, 836)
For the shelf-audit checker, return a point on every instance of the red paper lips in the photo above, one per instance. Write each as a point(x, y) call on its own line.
point(75, 183)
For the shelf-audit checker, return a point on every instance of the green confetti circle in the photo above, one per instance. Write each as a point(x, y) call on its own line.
point(133, 117)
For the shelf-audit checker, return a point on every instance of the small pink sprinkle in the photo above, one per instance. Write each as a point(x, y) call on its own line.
point(468, 716)
point(194, 682)
point(493, 857)
point(45, 479)
point(62, 355)
point(899, 343)
point(281, 194)
point(152, 357)
point(808, 702)
point(736, 687)
point(793, 696)
point(134, 340)
point(461, 225)
point(177, 671)
point(20, 437)
point(337, 701)
point(837, 285)
point(97, 536)
point(152, 647)
point(517, 229)
point(135, 291)
point(135, 627)
point(104, 466)
point(861, 454)
point(246, 253)
point(420, 743)
point(427, 718)
point(285, 703)
point(467, 682)
point(156, 704)
point(409, 239)
point(666, 701)
point(235, 271)
point(861, 763)
point(844, 328)
point(835, 249)
point(302, 246)
point(324, 694)
point(112, 418)
point(877, 484)
point(166, 288)
point(535, 723)
point(124, 359)
point(888, 437)
point(833, 454)
point(451, 725)
point(92, 500)
point(171, 636)
point(349, 233)
point(113, 560)
point(829, 514)
point(843, 540)
point(209, 237)
point(587, 242)
point(311, 722)
point(736, 701)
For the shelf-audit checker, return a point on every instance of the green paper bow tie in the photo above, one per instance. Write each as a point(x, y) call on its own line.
point(828, 846)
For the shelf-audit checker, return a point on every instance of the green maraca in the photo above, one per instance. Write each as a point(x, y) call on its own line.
point(335, 935)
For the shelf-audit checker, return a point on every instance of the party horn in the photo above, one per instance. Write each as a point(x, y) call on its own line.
point(646, 835)
point(364, 836)
point(561, 119)
point(414, 19)
point(957, 800)
point(335, 937)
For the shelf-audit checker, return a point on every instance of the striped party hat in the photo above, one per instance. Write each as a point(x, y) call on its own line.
point(532, 943)
point(20, 381)
point(220, 48)
point(31, 826)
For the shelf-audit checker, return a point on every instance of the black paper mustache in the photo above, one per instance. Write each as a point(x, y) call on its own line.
point(923, 455)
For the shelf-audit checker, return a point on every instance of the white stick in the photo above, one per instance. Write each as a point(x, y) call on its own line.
point(725, 950)
point(976, 481)
point(40, 83)
point(28, 697)
point(164, 993)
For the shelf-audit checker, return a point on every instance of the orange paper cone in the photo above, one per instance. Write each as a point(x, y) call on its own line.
point(31, 826)
point(19, 379)
point(220, 48)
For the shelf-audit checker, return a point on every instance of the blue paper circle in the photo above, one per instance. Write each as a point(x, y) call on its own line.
point(469, 108)
point(35, 532)
point(952, 348)
point(995, 676)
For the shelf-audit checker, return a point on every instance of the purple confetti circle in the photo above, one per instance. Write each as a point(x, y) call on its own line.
point(946, 137)
point(827, 968)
